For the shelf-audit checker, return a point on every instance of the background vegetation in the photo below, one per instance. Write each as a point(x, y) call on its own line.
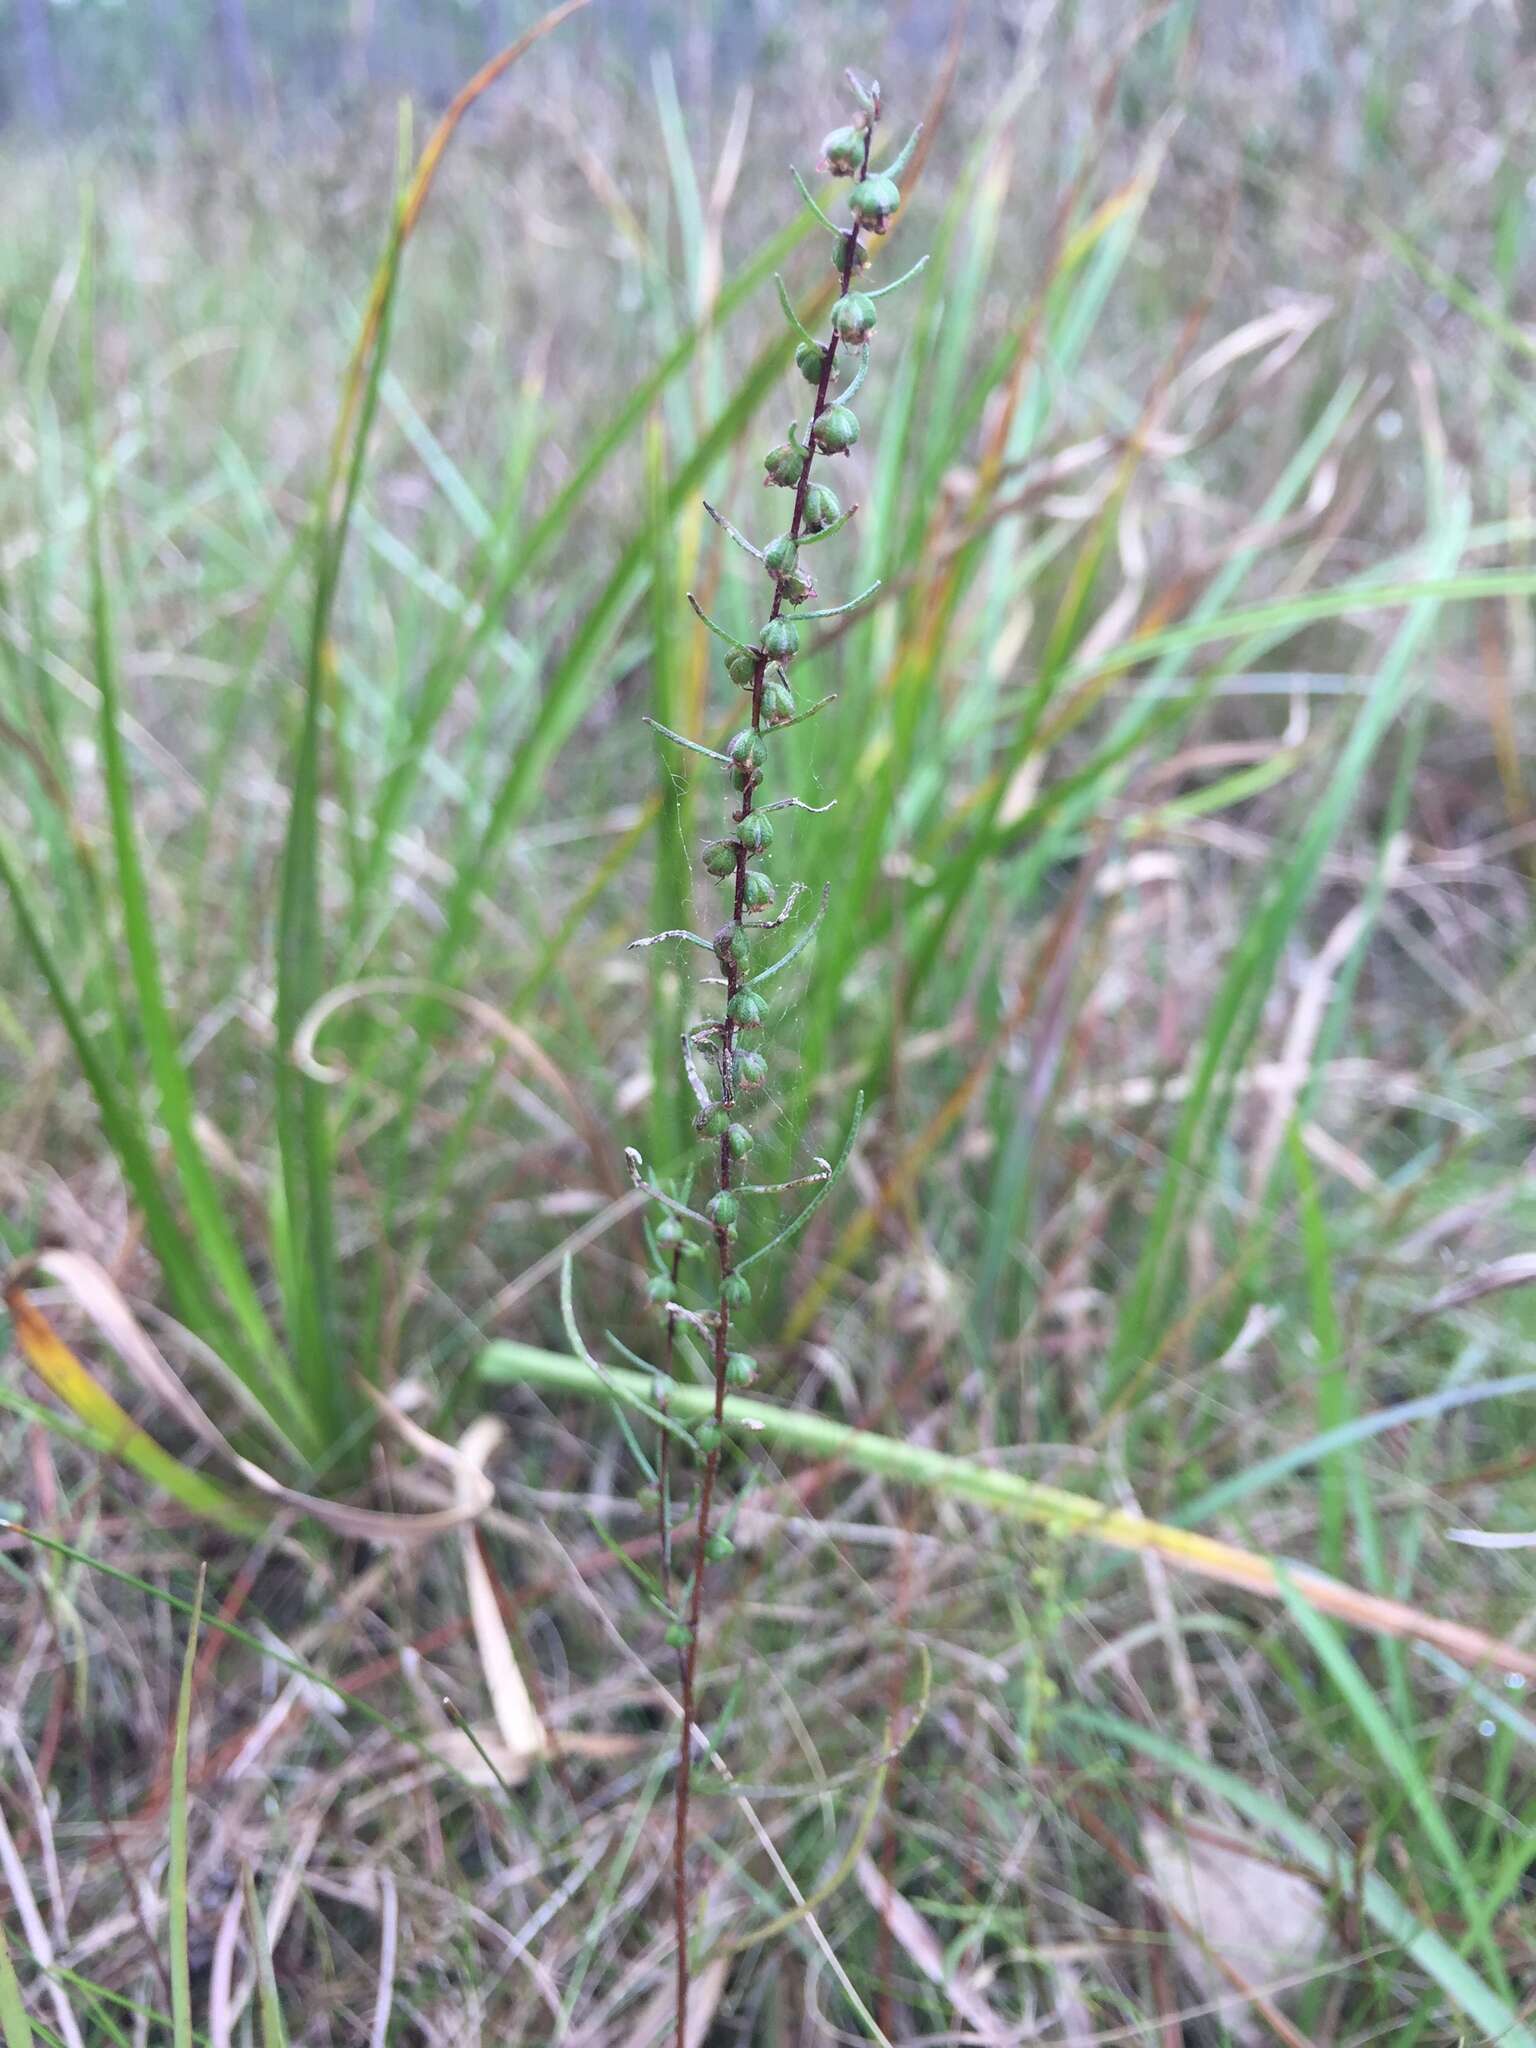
point(1179, 938)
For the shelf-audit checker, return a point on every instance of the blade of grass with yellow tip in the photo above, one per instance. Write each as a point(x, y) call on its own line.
point(112, 1429)
point(1069, 1517)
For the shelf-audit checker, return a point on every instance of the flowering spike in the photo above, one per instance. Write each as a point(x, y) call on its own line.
point(725, 1074)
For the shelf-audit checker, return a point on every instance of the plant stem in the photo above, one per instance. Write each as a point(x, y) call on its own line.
point(722, 1346)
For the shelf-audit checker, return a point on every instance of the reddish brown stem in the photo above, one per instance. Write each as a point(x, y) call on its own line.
point(733, 983)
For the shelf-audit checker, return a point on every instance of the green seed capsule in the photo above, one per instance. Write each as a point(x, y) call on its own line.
point(872, 202)
point(842, 152)
point(720, 861)
point(746, 1011)
point(780, 639)
point(723, 1209)
point(811, 362)
point(733, 945)
point(755, 832)
point(842, 248)
point(747, 749)
point(741, 667)
point(712, 1122)
point(749, 1070)
point(854, 317)
point(709, 1436)
point(835, 430)
point(739, 1141)
point(718, 1549)
point(778, 702)
point(796, 587)
point(784, 463)
point(735, 1291)
point(740, 1369)
point(821, 510)
point(670, 1232)
point(678, 1635)
point(781, 555)
point(758, 890)
point(658, 1289)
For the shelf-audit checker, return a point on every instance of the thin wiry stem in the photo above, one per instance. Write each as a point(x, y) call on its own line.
point(725, 1044)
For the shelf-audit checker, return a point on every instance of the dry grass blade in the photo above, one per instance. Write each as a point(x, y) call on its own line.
point(923, 1949)
point(517, 1720)
point(38, 1938)
point(96, 1294)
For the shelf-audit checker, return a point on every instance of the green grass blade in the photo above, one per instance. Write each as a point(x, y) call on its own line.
point(1397, 1755)
point(176, 1878)
point(303, 1121)
point(15, 2028)
point(259, 1360)
point(273, 2032)
point(1496, 2018)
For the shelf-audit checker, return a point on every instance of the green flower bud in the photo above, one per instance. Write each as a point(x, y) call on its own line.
point(739, 1141)
point(821, 510)
point(847, 246)
point(741, 667)
point(872, 202)
point(678, 1635)
point(718, 1549)
point(781, 555)
point(709, 1436)
point(713, 1121)
point(755, 832)
point(670, 1232)
point(854, 318)
point(723, 1209)
point(740, 1369)
point(746, 1011)
point(780, 639)
point(658, 1289)
point(749, 1070)
point(842, 152)
point(785, 462)
point(835, 430)
point(758, 893)
point(735, 1291)
point(720, 861)
point(810, 361)
point(778, 702)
